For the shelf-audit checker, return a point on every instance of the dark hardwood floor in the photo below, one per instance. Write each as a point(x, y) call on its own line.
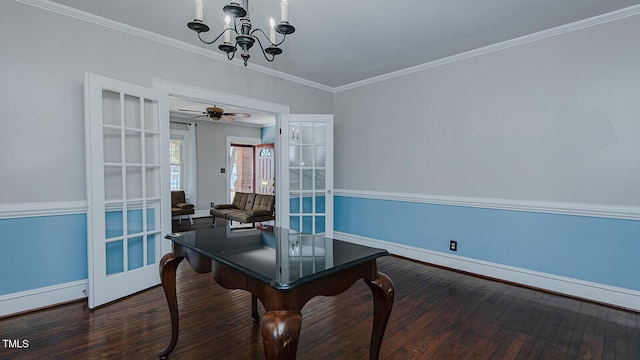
point(438, 314)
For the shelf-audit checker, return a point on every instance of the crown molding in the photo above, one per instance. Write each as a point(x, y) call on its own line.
point(544, 34)
point(541, 35)
point(548, 207)
point(165, 40)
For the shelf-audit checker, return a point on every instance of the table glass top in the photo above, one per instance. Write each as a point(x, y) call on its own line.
point(283, 258)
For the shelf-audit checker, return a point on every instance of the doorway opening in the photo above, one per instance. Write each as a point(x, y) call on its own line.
point(241, 166)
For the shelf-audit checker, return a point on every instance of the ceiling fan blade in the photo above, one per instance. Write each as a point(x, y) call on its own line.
point(226, 117)
point(196, 111)
point(238, 114)
point(205, 115)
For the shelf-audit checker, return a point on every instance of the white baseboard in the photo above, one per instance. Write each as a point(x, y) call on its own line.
point(201, 214)
point(43, 297)
point(620, 297)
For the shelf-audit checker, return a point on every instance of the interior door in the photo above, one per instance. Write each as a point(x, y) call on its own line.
point(304, 186)
point(127, 145)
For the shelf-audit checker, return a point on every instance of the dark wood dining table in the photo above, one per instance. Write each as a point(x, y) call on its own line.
point(283, 269)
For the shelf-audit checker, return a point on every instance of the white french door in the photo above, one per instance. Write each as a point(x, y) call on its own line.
point(304, 186)
point(127, 144)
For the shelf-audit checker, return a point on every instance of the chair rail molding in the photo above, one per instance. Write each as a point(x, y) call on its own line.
point(578, 209)
point(34, 209)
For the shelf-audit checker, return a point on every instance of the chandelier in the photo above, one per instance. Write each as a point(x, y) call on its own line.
point(244, 35)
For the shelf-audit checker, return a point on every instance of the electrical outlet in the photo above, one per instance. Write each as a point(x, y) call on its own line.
point(453, 245)
point(212, 204)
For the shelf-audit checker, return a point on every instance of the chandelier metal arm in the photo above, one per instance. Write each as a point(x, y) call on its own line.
point(264, 53)
point(266, 37)
point(216, 39)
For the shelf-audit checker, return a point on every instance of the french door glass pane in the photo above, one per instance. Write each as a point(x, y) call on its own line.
point(320, 156)
point(135, 252)
point(153, 181)
point(112, 145)
point(307, 179)
point(294, 203)
point(153, 215)
point(294, 223)
point(151, 142)
point(307, 156)
point(113, 221)
point(115, 257)
point(294, 179)
point(320, 224)
point(134, 218)
point(294, 156)
point(294, 133)
point(307, 224)
point(320, 183)
point(306, 130)
point(132, 113)
point(134, 182)
point(151, 248)
point(319, 133)
point(113, 182)
point(111, 108)
point(150, 115)
point(133, 146)
point(307, 204)
point(320, 203)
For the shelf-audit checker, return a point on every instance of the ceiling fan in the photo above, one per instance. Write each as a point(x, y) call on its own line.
point(215, 113)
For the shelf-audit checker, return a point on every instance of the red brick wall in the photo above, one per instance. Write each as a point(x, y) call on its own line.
point(244, 182)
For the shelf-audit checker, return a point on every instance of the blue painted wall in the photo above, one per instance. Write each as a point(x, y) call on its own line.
point(51, 250)
point(593, 249)
point(268, 135)
point(42, 251)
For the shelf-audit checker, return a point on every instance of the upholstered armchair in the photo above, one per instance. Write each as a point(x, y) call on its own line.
point(180, 207)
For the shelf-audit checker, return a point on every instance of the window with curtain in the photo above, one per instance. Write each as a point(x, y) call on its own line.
point(182, 163)
point(176, 164)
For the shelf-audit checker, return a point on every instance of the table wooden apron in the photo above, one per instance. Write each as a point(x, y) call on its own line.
point(282, 321)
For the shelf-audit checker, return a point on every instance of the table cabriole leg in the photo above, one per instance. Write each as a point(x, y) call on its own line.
point(254, 309)
point(383, 294)
point(280, 334)
point(168, 265)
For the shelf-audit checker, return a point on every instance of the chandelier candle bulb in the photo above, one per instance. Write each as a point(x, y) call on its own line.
point(272, 33)
point(227, 26)
point(199, 13)
point(284, 7)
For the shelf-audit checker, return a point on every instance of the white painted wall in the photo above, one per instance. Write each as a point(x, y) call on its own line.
point(41, 86)
point(551, 120)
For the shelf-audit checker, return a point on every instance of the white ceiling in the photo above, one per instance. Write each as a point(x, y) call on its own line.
point(339, 42)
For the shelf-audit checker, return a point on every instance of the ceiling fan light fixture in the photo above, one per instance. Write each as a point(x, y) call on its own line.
point(215, 113)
